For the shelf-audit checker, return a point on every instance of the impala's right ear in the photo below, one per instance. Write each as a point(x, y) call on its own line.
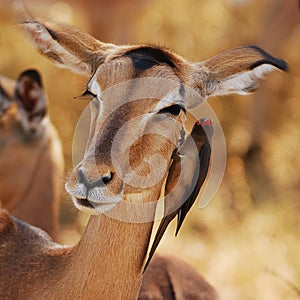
point(67, 46)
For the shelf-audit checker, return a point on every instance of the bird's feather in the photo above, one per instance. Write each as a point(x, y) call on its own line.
point(188, 171)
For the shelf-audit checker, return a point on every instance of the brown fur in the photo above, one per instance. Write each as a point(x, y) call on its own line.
point(31, 164)
point(169, 278)
point(110, 248)
point(42, 269)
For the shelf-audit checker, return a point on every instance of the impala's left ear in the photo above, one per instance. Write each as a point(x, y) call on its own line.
point(236, 70)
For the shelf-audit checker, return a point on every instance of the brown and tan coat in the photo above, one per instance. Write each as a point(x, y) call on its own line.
point(31, 159)
point(136, 119)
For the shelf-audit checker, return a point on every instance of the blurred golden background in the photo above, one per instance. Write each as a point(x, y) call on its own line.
point(246, 240)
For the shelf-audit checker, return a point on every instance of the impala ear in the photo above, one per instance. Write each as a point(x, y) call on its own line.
point(7, 87)
point(67, 46)
point(29, 91)
point(236, 70)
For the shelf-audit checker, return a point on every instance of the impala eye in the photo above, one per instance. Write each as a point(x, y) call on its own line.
point(173, 110)
point(88, 93)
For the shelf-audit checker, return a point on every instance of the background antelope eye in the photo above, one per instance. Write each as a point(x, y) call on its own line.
point(173, 109)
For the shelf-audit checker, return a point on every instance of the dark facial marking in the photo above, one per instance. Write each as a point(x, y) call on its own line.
point(52, 33)
point(3, 93)
point(4, 101)
point(146, 57)
point(53, 56)
point(39, 114)
point(172, 109)
point(268, 59)
point(182, 90)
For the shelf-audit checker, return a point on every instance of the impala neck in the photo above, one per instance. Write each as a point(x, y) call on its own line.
point(108, 260)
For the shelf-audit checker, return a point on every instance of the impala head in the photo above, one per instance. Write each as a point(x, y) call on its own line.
point(140, 96)
point(22, 107)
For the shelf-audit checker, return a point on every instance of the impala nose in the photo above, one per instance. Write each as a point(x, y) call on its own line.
point(89, 183)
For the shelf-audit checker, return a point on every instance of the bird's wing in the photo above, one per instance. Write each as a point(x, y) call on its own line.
point(186, 176)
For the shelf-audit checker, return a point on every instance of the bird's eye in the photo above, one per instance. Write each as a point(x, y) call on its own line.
point(173, 110)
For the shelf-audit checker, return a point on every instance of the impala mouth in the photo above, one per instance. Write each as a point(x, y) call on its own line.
point(94, 201)
point(93, 207)
point(84, 202)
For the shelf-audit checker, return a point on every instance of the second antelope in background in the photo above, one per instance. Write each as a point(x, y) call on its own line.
point(31, 158)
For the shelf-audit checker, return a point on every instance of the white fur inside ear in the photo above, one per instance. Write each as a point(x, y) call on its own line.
point(241, 83)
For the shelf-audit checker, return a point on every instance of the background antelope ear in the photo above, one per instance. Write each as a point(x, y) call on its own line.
point(236, 70)
point(7, 87)
point(30, 93)
point(67, 46)
point(4, 99)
